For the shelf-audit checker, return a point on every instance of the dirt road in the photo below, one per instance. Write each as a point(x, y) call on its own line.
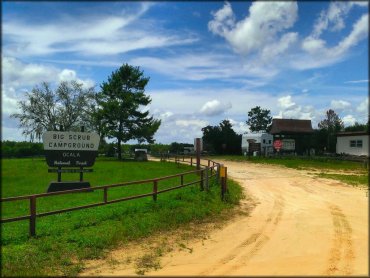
point(301, 225)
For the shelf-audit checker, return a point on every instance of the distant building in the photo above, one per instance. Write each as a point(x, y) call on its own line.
point(295, 134)
point(189, 150)
point(260, 142)
point(141, 154)
point(353, 143)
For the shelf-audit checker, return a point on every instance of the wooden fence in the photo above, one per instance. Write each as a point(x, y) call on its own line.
point(209, 170)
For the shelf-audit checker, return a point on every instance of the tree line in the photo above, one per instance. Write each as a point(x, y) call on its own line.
point(14, 149)
point(220, 139)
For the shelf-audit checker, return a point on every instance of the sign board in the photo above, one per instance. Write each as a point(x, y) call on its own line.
point(278, 144)
point(288, 144)
point(70, 149)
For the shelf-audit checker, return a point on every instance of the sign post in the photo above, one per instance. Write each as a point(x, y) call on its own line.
point(70, 149)
point(198, 148)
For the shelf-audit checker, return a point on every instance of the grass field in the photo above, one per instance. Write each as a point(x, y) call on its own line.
point(64, 240)
point(350, 172)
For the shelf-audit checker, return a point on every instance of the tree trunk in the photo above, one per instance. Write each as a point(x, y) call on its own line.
point(119, 140)
point(119, 149)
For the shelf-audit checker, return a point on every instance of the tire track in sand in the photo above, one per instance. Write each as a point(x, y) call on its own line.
point(341, 254)
point(253, 243)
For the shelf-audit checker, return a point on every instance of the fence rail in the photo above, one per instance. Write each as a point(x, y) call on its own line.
point(206, 173)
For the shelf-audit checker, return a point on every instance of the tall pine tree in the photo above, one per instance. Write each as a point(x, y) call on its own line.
point(121, 103)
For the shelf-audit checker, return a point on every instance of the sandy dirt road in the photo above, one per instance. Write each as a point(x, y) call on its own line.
point(300, 225)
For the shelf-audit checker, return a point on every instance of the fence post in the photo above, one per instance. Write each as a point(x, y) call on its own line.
point(207, 179)
point(218, 177)
point(155, 190)
point(197, 145)
point(201, 180)
point(182, 179)
point(191, 161)
point(223, 182)
point(32, 216)
point(105, 194)
point(81, 174)
point(59, 174)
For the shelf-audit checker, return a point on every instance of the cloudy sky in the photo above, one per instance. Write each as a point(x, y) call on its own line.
point(207, 61)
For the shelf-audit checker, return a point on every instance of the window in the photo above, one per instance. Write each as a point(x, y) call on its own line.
point(264, 141)
point(359, 143)
point(355, 143)
point(269, 141)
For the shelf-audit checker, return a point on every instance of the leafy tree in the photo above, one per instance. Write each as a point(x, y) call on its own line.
point(331, 125)
point(120, 104)
point(332, 122)
point(221, 139)
point(259, 119)
point(47, 109)
point(357, 127)
point(178, 147)
point(21, 149)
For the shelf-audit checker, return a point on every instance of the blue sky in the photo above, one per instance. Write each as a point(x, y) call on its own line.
point(207, 61)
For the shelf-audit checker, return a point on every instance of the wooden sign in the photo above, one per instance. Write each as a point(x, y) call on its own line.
point(70, 149)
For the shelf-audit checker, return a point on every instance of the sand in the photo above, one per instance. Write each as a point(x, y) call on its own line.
point(300, 225)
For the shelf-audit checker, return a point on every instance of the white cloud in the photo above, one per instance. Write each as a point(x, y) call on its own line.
point(9, 101)
point(278, 48)
point(261, 28)
point(357, 81)
point(203, 66)
point(285, 102)
point(340, 105)
point(193, 122)
point(166, 115)
point(239, 127)
point(263, 35)
point(69, 75)
point(349, 120)
point(290, 110)
point(223, 22)
point(215, 107)
point(107, 34)
point(17, 73)
point(318, 54)
point(364, 106)
point(332, 18)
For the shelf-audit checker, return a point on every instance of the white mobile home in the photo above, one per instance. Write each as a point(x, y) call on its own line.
point(353, 143)
point(264, 140)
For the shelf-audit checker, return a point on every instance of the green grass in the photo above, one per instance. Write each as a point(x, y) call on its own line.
point(301, 162)
point(350, 172)
point(65, 240)
point(355, 180)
